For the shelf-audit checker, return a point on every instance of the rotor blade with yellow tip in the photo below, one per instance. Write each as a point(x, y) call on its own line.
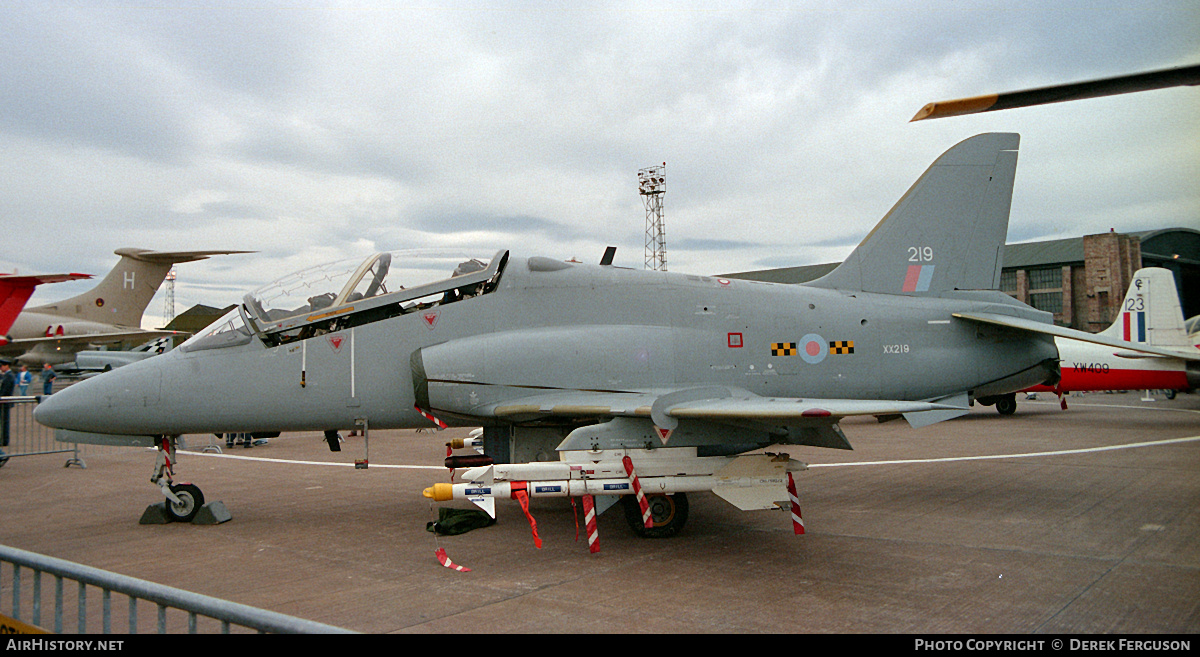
point(1124, 84)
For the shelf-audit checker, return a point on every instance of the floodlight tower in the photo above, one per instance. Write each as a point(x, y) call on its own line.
point(169, 300)
point(652, 186)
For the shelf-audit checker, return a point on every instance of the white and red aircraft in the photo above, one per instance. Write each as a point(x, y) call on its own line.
point(1150, 315)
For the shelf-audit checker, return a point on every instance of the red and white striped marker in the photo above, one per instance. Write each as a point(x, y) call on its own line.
point(429, 416)
point(637, 490)
point(445, 561)
point(797, 521)
point(589, 519)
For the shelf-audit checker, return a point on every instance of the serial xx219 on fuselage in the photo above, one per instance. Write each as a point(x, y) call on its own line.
point(548, 354)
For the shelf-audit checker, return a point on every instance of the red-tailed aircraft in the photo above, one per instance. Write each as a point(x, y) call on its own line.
point(15, 290)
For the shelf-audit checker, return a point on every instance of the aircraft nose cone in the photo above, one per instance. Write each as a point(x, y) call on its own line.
point(123, 401)
point(66, 409)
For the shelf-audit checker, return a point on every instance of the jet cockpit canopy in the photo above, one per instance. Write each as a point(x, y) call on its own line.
point(346, 294)
point(337, 284)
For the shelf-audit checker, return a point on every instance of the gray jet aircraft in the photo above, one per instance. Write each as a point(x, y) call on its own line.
point(587, 377)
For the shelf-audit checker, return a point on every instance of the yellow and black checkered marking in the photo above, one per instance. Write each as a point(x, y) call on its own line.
point(783, 349)
point(841, 347)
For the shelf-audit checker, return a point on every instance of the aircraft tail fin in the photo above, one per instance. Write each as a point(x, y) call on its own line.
point(1150, 313)
point(948, 230)
point(123, 295)
point(15, 290)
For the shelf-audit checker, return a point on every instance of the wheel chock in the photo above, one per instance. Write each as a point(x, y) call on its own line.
point(155, 514)
point(213, 513)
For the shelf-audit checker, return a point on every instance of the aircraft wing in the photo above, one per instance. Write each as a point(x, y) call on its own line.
point(1124, 84)
point(780, 410)
point(715, 405)
point(801, 420)
point(1128, 349)
point(92, 338)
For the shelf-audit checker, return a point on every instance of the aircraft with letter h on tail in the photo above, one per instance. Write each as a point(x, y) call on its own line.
point(111, 312)
point(589, 380)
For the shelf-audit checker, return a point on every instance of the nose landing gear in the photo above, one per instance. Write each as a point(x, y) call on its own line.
point(183, 501)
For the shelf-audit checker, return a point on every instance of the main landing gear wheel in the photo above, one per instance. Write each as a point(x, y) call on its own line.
point(1007, 404)
point(668, 512)
point(190, 501)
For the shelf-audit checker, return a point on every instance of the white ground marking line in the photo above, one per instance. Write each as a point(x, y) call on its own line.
point(1108, 448)
point(948, 459)
point(295, 462)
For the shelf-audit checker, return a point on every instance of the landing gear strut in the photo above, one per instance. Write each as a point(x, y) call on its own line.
point(183, 500)
point(669, 513)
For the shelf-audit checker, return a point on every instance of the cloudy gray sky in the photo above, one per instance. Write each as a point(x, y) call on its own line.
point(313, 131)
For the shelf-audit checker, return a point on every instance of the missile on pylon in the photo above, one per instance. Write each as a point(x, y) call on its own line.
point(749, 482)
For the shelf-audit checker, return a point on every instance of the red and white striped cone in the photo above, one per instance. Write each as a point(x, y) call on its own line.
point(589, 519)
point(637, 490)
point(445, 561)
point(797, 521)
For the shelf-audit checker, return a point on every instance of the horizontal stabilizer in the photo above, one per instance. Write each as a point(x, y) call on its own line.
point(15, 290)
point(1073, 334)
point(38, 279)
point(171, 257)
point(925, 418)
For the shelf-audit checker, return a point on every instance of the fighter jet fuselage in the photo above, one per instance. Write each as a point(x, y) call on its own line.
point(547, 327)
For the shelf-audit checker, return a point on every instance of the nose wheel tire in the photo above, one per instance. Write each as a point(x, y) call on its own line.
point(668, 512)
point(190, 501)
point(1007, 405)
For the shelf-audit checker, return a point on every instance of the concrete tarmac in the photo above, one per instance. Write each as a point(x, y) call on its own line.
point(1088, 522)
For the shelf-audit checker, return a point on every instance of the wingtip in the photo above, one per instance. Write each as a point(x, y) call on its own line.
point(956, 107)
point(924, 113)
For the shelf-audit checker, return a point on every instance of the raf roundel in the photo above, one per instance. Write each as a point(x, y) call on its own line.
point(813, 348)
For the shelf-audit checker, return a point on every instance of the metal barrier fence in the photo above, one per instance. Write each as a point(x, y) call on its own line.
point(193, 606)
point(20, 435)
